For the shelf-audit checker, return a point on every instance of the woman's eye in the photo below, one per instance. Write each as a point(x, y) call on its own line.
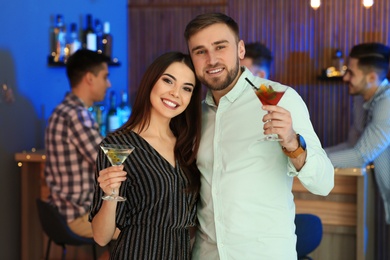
point(167, 80)
point(188, 89)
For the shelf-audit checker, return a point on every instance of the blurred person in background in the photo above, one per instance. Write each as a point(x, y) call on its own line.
point(258, 59)
point(72, 138)
point(369, 139)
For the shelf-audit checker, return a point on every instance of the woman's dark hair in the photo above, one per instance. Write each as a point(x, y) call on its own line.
point(186, 126)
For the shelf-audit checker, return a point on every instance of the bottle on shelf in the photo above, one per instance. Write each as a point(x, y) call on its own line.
point(99, 35)
point(338, 61)
point(98, 112)
point(74, 43)
point(112, 114)
point(107, 40)
point(101, 118)
point(89, 40)
point(124, 110)
point(59, 49)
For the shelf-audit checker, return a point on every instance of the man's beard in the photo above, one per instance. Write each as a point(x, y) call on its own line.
point(216, 85)
point(358, 88)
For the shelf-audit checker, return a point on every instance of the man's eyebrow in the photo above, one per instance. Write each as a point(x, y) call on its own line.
point(220, 42)
point(197, 48)
point(214, 43)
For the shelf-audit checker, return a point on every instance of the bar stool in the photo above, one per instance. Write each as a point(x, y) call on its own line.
point(56, 228)
point(309, 234)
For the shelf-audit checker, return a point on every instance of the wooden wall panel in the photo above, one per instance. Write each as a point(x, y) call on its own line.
point(157, 27)
point(302, 40)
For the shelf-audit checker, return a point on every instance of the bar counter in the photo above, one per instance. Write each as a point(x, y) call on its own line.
point(346, 213)
point(33, 186)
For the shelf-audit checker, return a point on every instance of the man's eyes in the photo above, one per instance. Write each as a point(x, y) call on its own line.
point(219, 47)
point(200, 52)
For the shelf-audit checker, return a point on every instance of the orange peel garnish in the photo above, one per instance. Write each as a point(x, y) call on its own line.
point(266, 92)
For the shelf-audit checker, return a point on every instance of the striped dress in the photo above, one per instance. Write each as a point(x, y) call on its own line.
point(154, 219)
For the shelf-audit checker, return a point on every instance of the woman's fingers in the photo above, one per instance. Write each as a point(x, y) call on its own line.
point(111, 177)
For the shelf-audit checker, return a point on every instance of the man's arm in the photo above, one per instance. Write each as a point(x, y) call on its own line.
point(373, 141)
point(315, 171)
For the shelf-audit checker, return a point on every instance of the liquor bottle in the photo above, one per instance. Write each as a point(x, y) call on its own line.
point(100, 118)
point(99, 36)
point(338, 61)
point(112, 115)
point(89, 41)
point(124, 109)
point(59, 40)
point(74, 43)
point(107, 40)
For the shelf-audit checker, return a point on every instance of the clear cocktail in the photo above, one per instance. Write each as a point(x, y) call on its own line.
point(116, 154)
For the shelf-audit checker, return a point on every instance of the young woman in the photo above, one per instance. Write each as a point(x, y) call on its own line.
point(159, 178)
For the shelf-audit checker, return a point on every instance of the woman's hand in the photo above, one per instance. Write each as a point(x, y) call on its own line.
point(111, 178)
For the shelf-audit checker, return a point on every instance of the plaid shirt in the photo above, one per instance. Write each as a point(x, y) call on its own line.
point(71, 139)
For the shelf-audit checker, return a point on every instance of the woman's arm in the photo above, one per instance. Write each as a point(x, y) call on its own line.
point(103, 223)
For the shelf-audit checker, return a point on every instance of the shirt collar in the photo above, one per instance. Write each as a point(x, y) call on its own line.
point(72, 98)
point(381, 88)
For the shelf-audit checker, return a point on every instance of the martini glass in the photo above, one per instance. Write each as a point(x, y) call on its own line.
point(116, 154)
point(269, 96)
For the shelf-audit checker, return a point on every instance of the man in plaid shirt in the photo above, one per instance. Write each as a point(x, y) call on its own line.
point(72, 138)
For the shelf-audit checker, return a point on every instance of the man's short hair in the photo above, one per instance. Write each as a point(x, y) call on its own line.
point(259, 53)
point(83, 61)
point(372, 56)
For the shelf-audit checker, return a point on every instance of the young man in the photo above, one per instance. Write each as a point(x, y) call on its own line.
point(368, 65)
point(246, 208)
point(72, 138)
point(258, 59)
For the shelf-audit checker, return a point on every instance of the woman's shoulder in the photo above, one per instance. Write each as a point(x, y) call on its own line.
point(122, 137)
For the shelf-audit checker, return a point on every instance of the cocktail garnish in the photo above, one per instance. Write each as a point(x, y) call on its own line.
point(266, 92)
point(114, 157)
